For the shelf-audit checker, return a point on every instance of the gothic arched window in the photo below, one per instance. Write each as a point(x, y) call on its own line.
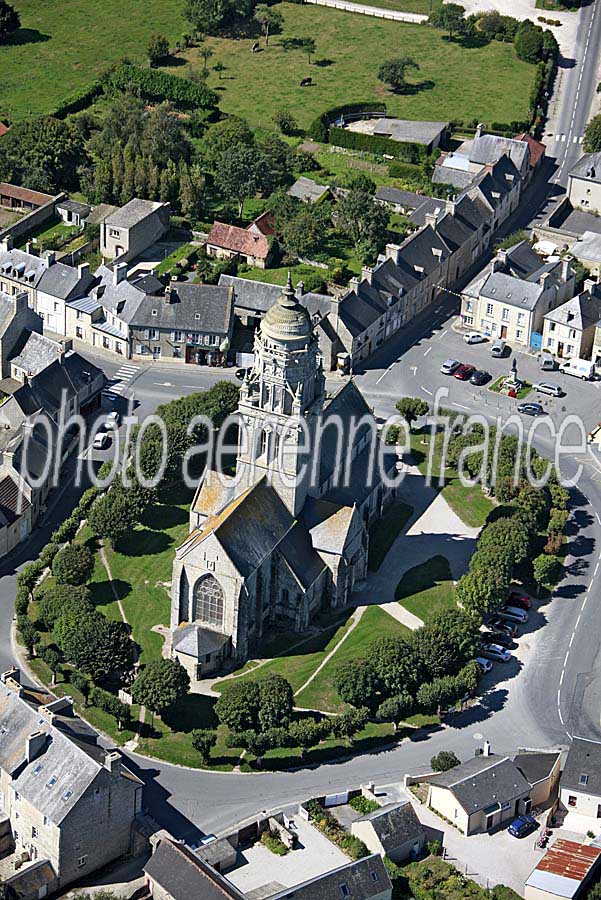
point(209, 601)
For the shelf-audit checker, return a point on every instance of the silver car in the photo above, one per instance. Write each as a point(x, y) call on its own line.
point(450, 366)
point(496, 653)
point(549, 387)
point(513, 614)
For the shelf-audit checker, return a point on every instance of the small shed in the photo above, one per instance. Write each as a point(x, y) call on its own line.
point(393, 830)
point(563, 872)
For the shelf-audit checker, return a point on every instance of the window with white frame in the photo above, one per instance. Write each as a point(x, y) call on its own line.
point(489, 309)
point(505, 315)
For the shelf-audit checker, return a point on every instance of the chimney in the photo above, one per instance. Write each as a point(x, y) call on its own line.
point(544, 279)
point(6, 244)
point(479, 130)
point(83, 270)
point(49, 258)
point(566, 268)
point(367, 274)
point(353, 283)
point(119, 273)
point(589, 285)
point(432, 219)
point(450, 206)
point(300, 289)
point(489, 168)
point(393, 252)
point(112, 762)
point(34, 745)
point(486, 751)
point(170, 291)
point(29, 247)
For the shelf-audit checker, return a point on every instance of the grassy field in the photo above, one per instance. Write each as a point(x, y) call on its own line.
point(454, 81)
point(321, 694)
point(427, 589)
point(385, 531)
point(422, 7)
point(58, 50)
point(470, 503)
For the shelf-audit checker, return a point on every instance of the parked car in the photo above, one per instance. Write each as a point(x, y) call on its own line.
point(480, 377)
point(513, 614)
point(113, 419)
point(503, 625)
point(498, 349)
point(519, 599)
point(497, 637)
point(580, 368)
point(549, 387)
point(531, 409)
point(101, 441)
point(547, 361)
point(464, 372)
point(523, 826)
point(450, 366)
point(496, 653)
point(485, 664)
point(474, 337)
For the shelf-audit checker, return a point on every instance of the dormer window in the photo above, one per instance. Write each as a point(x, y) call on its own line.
point(583, 779)
point(154, 312)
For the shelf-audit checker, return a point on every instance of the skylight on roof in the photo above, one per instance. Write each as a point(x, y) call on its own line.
point(50, 784)
point(583, 779)
point(67, 795)
point(38, 769)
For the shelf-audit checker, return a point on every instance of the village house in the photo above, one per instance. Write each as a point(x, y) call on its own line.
point(133, 228)
point(72, 212)
point(232, 242)
point(309, 191)
point(580, 785)
point(569, 330)
point(399, 201)
point(394, 831)
point(59, 789)
point(471, 159)
point(511, 296)
point(584, 183)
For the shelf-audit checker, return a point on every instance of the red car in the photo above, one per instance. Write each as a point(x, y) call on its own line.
point(464, 372)
point(522, 601)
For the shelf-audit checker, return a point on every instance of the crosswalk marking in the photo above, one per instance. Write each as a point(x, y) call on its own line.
point(560, 138)
point(120, 382)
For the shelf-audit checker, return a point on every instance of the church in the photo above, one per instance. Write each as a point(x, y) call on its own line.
point(286, 537)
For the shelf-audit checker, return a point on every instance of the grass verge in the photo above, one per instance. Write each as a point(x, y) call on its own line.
point(427, 589)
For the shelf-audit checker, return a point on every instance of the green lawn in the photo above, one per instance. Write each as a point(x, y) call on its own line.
point(385, 531)
point(470, 503)
point(454, 81)
point(422, 7)
point(427, 589)
point(523, 392)
point(56, 229)
point(58, 50)
point(321, 694)
point(173, 259)
point(279, 275)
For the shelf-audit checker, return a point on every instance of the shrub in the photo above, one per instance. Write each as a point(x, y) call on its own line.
point(73, 565)
point(376, 144)
point(444, 761)
point(62, 598)
point(78, 100)
point(319, 128)
point(273, 843)
point(48, 553)
point(363, 805)
point(157, 86)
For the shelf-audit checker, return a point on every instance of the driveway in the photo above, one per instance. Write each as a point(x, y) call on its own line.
point(526, 9)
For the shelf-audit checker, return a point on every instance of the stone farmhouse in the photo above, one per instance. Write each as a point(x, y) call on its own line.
point(59, 792)
point(130, 230)
point(284, 538)
point(231, 242)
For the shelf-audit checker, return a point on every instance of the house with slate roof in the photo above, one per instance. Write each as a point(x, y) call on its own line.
point(580, 785)
point(569, 329)
point(510, 298)
point(133, 228)
point(288, 535)
point(59, 790)
point(584, 183)
point(393, 830)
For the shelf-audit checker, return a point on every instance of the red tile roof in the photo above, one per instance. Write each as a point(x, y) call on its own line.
point(537, 149)
point(15, 192)
point(264, 223)
point(4, 128)
point(238, 240)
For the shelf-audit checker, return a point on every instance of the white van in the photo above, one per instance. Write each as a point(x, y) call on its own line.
point(580, 368)
point(547, 361)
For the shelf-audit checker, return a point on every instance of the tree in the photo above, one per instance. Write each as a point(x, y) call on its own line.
point(493, 559)
point(203, 742)
point(82, 684)
point(592, 135)
point(220, 68)
point(96, 645)
point(449, 17)
point(309, 46)
point(73, 565)
point(546, 571)
point(29, 635)
point(395, 709)
point(238, 706)
point(529, 42)
point(510, 533)
point(285, 121)
point(10, 21)
point(356, 683)
point(240, 173)
point(482, 591)
point(396, 663)
point(112, 517)
point(411, 408)
point(275, 702)
point(157, 49)
point(269, 19)
point(436, 695)
point(444, 761)
point(349, 723)
point(206, 54)
point(61, 598)
point(394, 72)
point(307, 733)
point(363, 220)
point(204, 15)
point(224, 134)
point(301, 228)
point(110, 704)
point(160, 685)
point(446, 643)
point(44, 153)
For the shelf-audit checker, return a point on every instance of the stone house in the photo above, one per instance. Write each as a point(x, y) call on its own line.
point(541, 770)
point(282, 539)
point(309, 191)
point(481, 794)
point(191, 322)
point(511, 296)
point(127, 232)
point(584, 183)
point(400, 201)
point(72, 212)
point(393, 831)
point(59, 790)
point(461, 167)
point(580, 783)
point(569, 330)
point(232, 242)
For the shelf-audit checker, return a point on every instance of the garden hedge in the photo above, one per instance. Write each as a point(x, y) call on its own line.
point(376, 144)
point(320, 127)
point(158, 86)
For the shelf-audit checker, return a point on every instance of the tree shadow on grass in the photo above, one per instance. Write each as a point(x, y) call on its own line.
point(102, 595)
point(145, 543)
point(167, 516)
point(26, 36)
point(413, 89)
point(194, 711)
point(323, 63)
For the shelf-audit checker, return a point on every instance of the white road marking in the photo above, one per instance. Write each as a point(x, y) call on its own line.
point(426, 391)
point(442, 334)
point(598, 518)
point(459, 406)
point(413, 369)
point(427, 351)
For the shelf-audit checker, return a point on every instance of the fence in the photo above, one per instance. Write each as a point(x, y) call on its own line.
point(394, 14)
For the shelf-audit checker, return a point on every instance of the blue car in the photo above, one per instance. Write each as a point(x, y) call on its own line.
point(523, 826)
